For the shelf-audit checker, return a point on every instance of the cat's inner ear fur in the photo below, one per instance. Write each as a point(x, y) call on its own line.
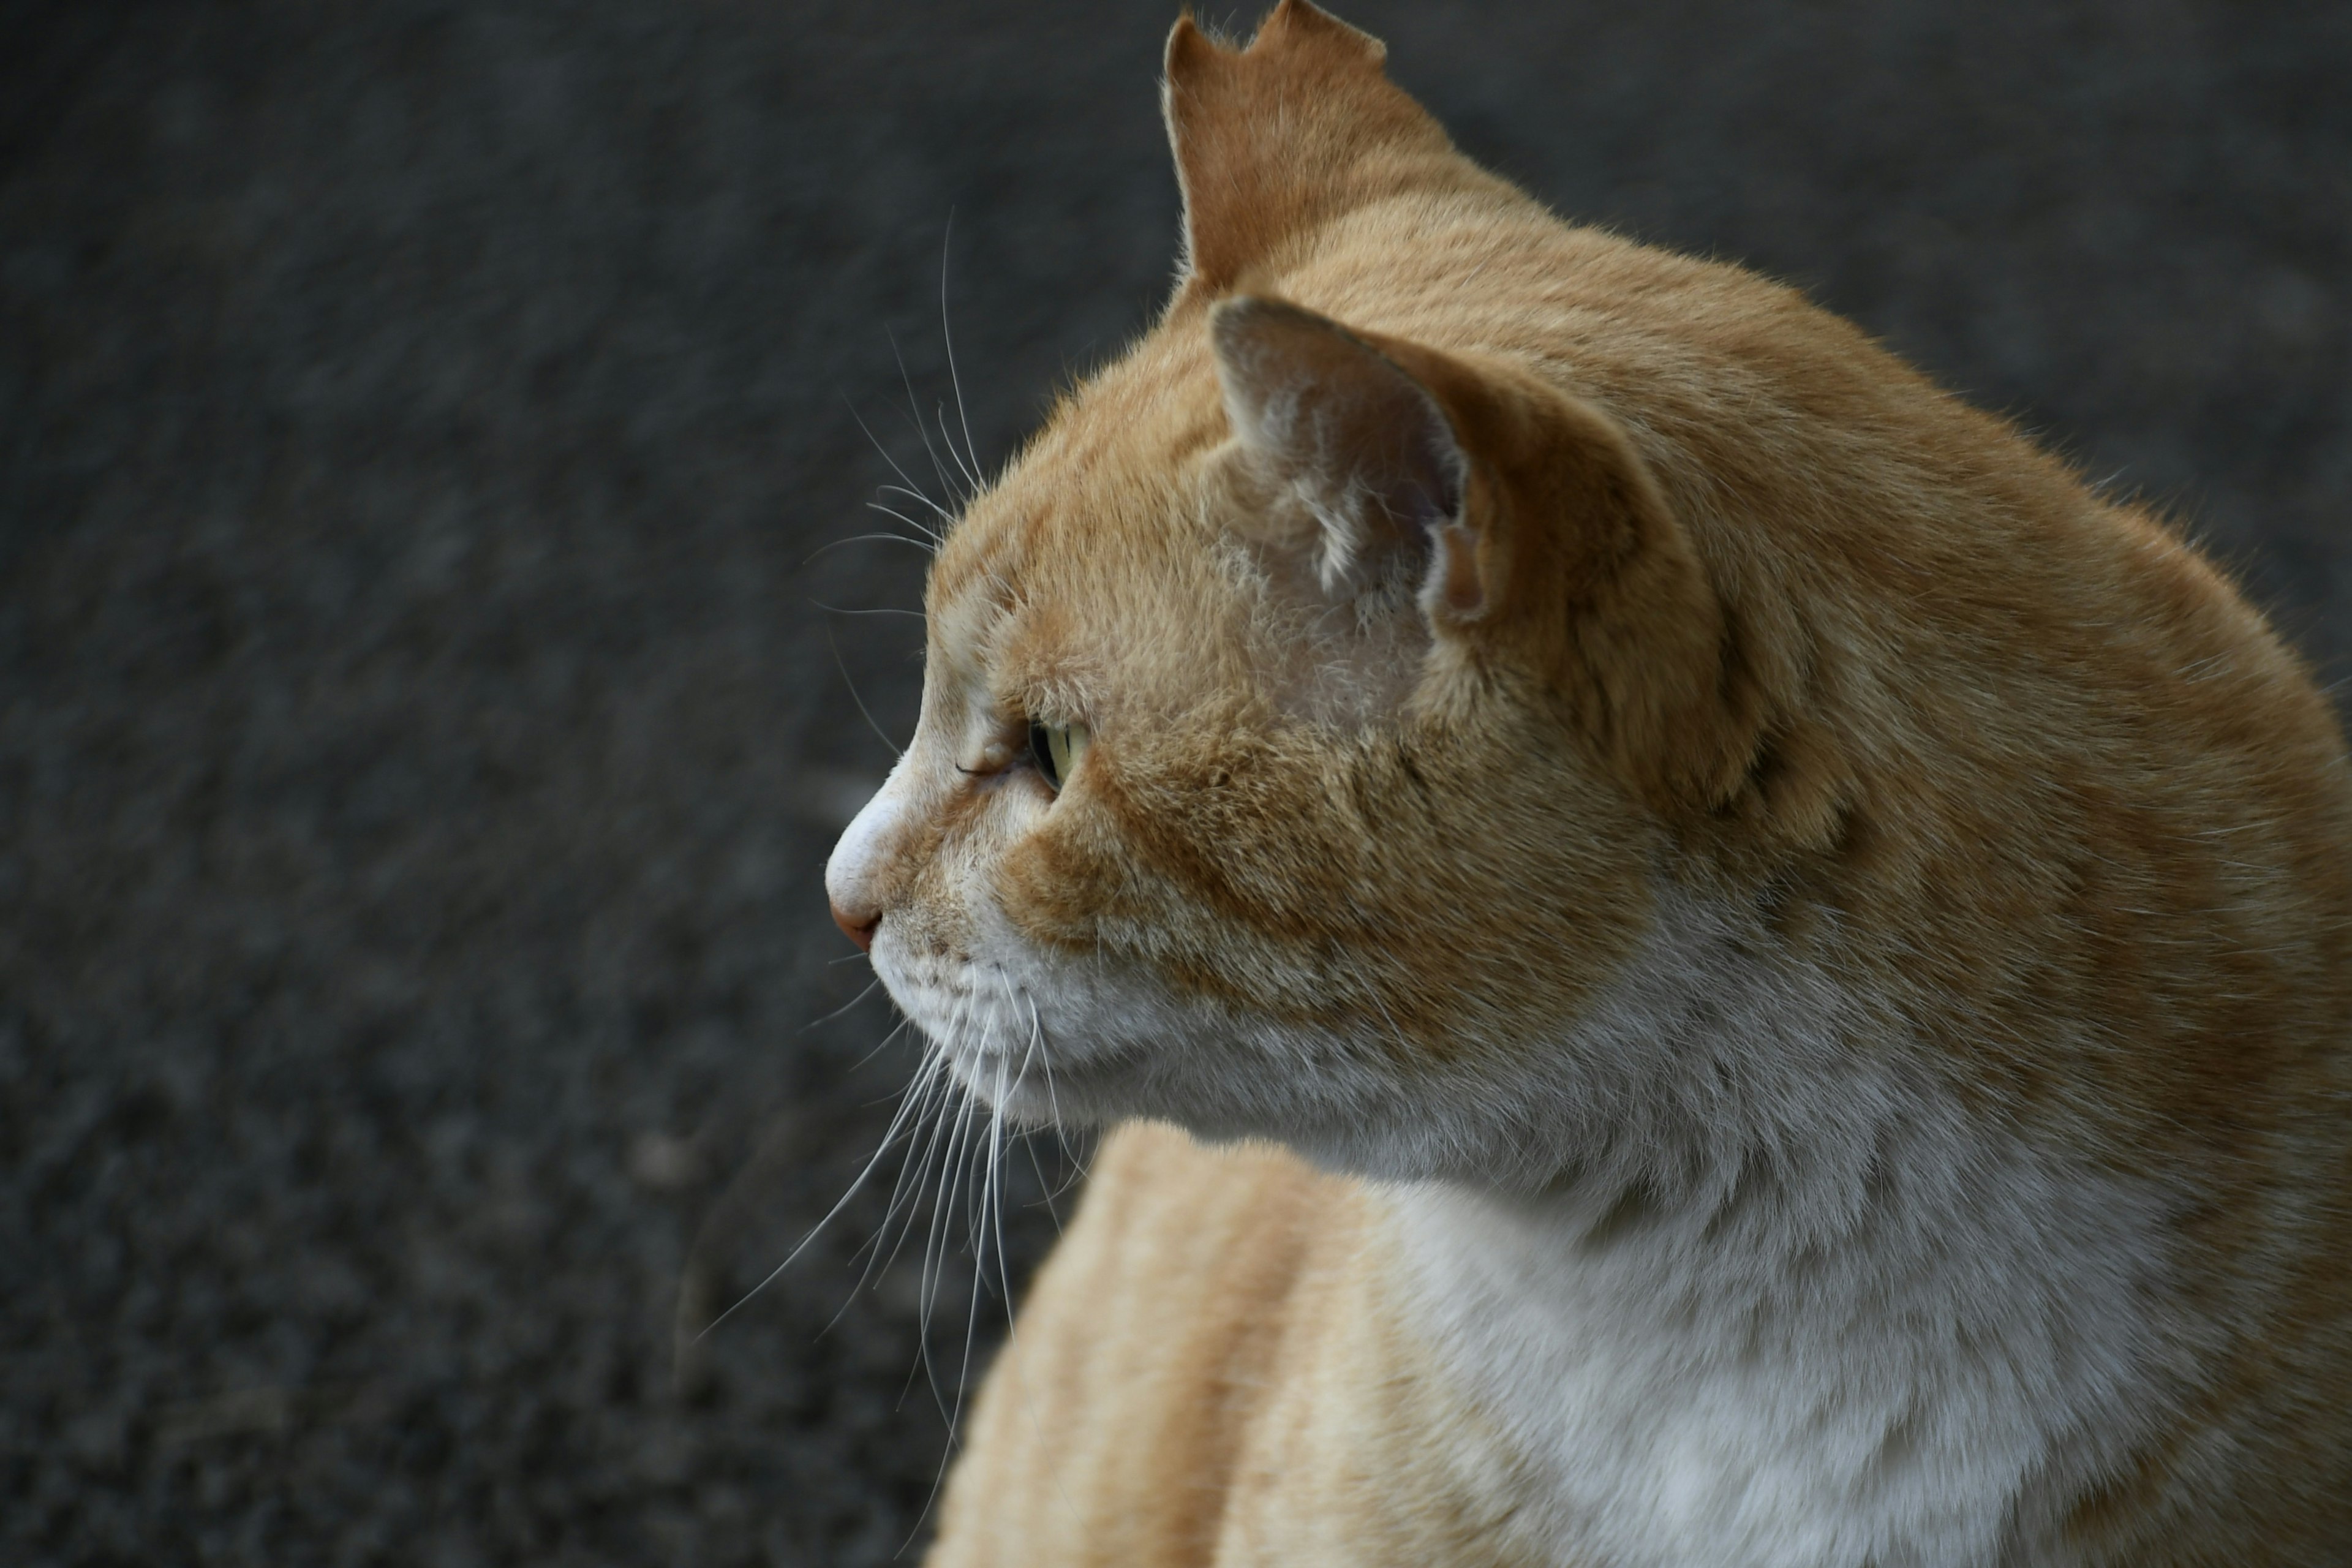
point(1462, 498)
point(1361, 470)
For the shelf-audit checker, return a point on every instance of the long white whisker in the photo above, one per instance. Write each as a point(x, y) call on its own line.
point(889, 1137)
point(970, 479)
point(914, 1176)
point(947, 246)
point(1029, 1142)
point(1053, 1102)
point(876, 610)
point(910, 486)
point(870, 723)
point(914, 417)
point(978, 1204)
point(937, 1245)
point(920, 1093)
point(845, 1008)
point(925, 529)
point(870, 538)
point(881, 1045)
point(913, 494)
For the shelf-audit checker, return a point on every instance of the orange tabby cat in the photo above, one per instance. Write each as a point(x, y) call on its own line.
point(1707, 959)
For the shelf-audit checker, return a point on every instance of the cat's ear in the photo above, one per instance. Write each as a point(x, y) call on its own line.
point(1274, 139)
point(1341, 430)
point(1531, 531)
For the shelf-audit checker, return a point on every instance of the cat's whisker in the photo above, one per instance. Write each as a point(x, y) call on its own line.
point(914, 416)
point(869, 539)
point(947, 518)
point(930, 536)
point(925, 529)
point(935, 1245)
point(881, 1045)
point(972, 484)
point(921, 1092)
point(947, 337)
point(1054, 1107)
point(942, 1239)
point(856, 698)
point(907, 485)
point(889, 1137)
point(877, 610)
point(845, 1008)
point(914, 1175)
point(996, 1159)
point(990, 1208)
point(979, 1201)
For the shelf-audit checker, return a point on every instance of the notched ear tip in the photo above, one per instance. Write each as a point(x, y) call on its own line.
point(1188, 49)
point(1302, 18)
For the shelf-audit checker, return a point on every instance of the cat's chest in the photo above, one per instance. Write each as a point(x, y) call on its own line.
point(1881, 1411)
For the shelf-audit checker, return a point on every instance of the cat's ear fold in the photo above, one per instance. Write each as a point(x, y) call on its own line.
point(1530, 530)
point(1361, 448)
point(1272, 140)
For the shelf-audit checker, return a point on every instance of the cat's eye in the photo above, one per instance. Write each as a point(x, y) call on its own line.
point(1057, 748)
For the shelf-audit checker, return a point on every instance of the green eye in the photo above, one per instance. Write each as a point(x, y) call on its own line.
point(1057, 748)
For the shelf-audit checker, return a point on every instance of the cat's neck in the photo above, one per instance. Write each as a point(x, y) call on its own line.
point(1791, 1307)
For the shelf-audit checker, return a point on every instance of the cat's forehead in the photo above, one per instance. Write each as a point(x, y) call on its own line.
point(1096, 531)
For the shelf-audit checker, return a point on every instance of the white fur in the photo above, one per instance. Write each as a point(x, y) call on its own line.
point(1735, 1272)
point(1882, 1331)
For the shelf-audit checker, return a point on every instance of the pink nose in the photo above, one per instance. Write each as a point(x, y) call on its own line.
point(858, 929)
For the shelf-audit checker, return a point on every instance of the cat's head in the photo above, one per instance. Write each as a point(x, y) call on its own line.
point(1306, 708)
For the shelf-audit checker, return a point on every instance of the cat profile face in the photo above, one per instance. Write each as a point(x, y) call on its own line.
point(1208, 815)
point(1417, 702)
point(1259, 772)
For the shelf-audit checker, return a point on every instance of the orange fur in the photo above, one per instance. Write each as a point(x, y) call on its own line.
point(1433, 663)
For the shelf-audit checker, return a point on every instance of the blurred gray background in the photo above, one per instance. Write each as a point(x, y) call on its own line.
point(425, 698)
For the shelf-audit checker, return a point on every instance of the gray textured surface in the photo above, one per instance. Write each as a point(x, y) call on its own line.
point(419, 742)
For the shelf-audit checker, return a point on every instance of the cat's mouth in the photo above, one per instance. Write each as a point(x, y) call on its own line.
point(985, 1032)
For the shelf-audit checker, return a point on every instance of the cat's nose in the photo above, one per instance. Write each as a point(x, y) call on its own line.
point(857, 925)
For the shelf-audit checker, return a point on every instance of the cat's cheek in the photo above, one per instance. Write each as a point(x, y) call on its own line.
point(1054, 883)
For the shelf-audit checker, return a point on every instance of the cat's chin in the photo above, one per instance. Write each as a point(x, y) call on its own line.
point(1022, 1098)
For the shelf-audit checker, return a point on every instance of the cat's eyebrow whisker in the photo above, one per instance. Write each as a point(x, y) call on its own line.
point(911, 493)
point(909, 486)
point(869, 539)
point(876, 610)
point(929, 532)
point(972, 485)
point(914, 417)
point(896, 749)
point(971, 471)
